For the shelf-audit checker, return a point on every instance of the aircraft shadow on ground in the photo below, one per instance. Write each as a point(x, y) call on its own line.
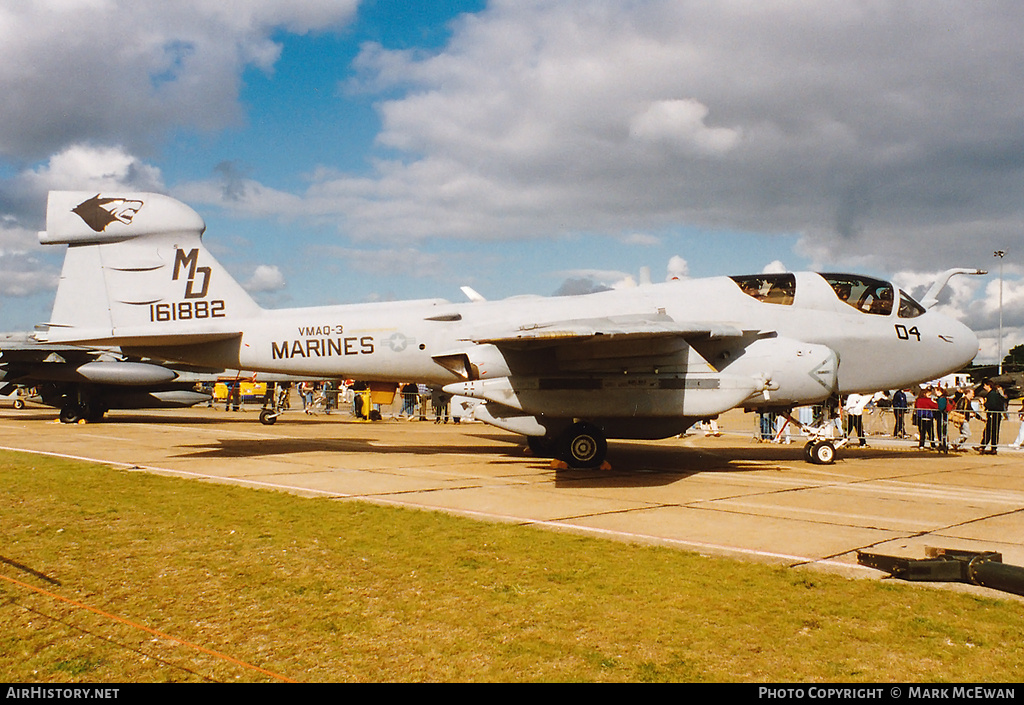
point(631, 472)
point(124, 417)
point(254, 448)
point(170, 417)
point(250, 418)
point(30, 415)
point(624, 456)
point(632, 464)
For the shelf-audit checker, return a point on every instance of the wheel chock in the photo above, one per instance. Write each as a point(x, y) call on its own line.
point(562, 465)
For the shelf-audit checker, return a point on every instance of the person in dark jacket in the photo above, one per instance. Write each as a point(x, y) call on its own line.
point(995, 407)
point(899, 411)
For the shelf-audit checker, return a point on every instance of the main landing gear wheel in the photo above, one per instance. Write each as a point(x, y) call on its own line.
point(820, 452)
point(583, 446)
point(268, 417)
point(73, 413)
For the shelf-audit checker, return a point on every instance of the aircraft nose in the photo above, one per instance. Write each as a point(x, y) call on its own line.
point(964, 342)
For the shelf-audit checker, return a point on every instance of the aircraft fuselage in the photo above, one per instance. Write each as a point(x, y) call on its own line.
point(398, 341)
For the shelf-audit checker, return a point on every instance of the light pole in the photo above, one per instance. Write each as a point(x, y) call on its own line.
point(1000, 254)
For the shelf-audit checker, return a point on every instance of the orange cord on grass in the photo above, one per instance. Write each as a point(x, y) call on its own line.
point(144, 628)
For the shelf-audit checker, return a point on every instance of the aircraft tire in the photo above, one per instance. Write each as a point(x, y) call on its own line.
point(823, 453)
point(809, 451)
point(583, 446)
point(19, 404)
point(267, 417)
point(70, 413)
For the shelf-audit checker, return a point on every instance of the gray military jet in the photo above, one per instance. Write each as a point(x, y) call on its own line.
point(566, 372)
point(85, 383)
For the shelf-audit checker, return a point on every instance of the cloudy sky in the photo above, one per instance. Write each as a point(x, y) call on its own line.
point(353, 150)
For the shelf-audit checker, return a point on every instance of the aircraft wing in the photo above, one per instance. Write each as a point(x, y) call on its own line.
point(611, 328)
point(611, 367)
point(37, 352)
point(26, 362)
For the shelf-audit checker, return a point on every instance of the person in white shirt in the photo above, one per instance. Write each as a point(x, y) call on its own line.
point(855, 404)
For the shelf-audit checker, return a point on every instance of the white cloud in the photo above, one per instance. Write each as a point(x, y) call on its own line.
point(678, 268)
point(15, 239)
point(24, 275)
point(404, 262)
point(680, 124)
point(85, 168)
point(128, 71)
point(870, 130)
point(606, 277)
point(243, 197)
point(266, 278)
point(641, 239)
point(774, 267)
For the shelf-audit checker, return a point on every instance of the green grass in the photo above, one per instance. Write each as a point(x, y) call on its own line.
point(319, 590)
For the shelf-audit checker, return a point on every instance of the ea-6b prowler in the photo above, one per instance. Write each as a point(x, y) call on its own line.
point(567, 372)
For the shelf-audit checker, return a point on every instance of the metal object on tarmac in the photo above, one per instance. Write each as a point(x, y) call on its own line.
point(984, 568)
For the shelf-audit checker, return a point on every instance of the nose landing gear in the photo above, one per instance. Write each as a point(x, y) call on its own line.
point(821, 448)
point(820, 452)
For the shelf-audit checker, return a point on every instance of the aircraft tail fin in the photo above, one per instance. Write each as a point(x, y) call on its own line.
point(136, 273)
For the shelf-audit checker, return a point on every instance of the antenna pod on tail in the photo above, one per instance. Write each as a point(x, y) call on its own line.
point(87, 218)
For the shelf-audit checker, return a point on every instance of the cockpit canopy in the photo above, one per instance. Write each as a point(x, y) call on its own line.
point(908, 307)
point(863, 293)
point(866, 294)
point(769, 288)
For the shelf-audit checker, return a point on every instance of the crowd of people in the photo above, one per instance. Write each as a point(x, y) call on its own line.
point(943, 416)
point(939, 417)
point(416, 400)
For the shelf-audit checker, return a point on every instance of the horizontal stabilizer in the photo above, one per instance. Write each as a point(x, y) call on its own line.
point(38, 352)
point(139, 337)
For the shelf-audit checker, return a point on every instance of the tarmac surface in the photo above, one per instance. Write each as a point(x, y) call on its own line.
point(727, 495)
